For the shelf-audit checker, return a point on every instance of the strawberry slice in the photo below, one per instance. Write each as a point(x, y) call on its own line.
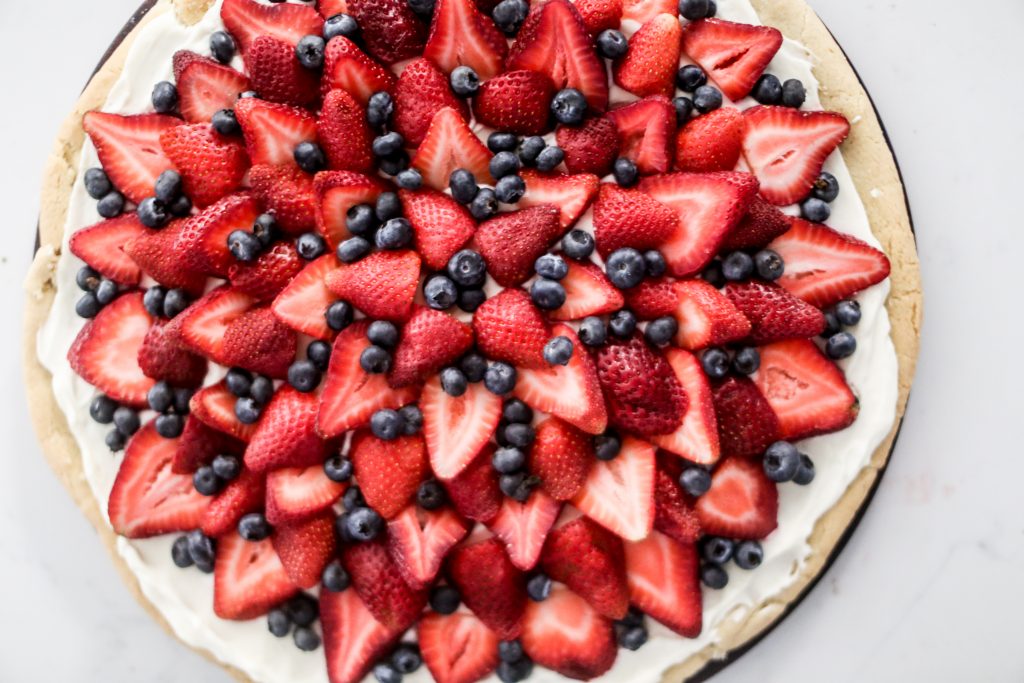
point(202, 241)
point(630, 218)
point(101, 246)
point(712, 142)
point(129, 149)
point(441, 225)
point(382, 285)
point(285, 435)
point(561, 458)
point(742, 501)
point(599, 15)
point(587, 292)
point(708, 206)
point(664, 582)
point(511, 242)
point(457, 648)
point(746, 423)
point(565, 634)
point(674, 515)
point(288, 193)
point(422, 91)
point(733, 55)
point(147, 498)
point(649, 65)
point(642, 11)
point(330, 8)
point(205, 87)
point(774, 313)
point(572, 194)
point(510, 327)
point(824, 267)
point(337, 192)
point(248, 579)
point(162, 356)
point(419, 540)
point(645, 131)
point(475, 492)
point(516, 101)
point(205, 322)
point(653, 299)
point(272, 131)
point(389, 472)
point(461, 36)
point(450, 144)
point(763, 223)
point(640, 388)
point(786, 148)
point(305, 548)
point(490, 586)
point(199, 444)
point(303, 304)
point(619, 493)
point(247, 19)
point(590, 560)
point(389, 29)
point(240, 497)
point(344, 134)
point(697, 437)
point(214, 406)
point(377, 580)
point(706, 316)
point(591, 147)
point(430, 340)
point(353, 638)
point(570, 392)
point(156, 253)
point(523, 527)
point(106, 350)
point(806, 390)
point(348, 68)
point(267, 276)
point(298, 493)
point(277, 75)
point(457, 428)
point(554, 41)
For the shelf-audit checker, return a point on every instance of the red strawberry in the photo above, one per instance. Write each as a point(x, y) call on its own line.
point(474, 492)
point(599, 15)
point(762, 224)
point(147, 498)
point(440, 225)
point(560, 457)
point(389, 29)
point(215, 407)
point(161, 356)
point(590, 560)
point(649, 66)
point(645, 130)
point(591, 147)
point(490, 586)
point(619, 493)
point(774, 313)
point(653, 299)
point(429, 341)
point(420, 539)
point(742, 501)
point(570, 392)
point(258, 341)
point(182, 59)
point(248, 19)
point(733, 55)
point(337, 192)
point(156, 253)
point(697, 438)
point(460, 35)
point(382, 285)
point(664, 582)
point(344, 134)
point(511, 242)
point(206, 87)
point(204, 323)
point(572, 194)
point(421, 92)
point(554, 41)
point(289, 195)
point(303, 304)
point(630, 218)
point(129, 149)
point(330, 8)
point(199, 444)
point(587, 292)
point(457, 428)
point(353, 638)
point(712, 142)
point(786, 148)
point(708, 206)
point(240, 497)
point(106, 350)
point(642, 11)
point(273, 131)
point(305, 548)
point(516, 101)
point(248, 579)
point(640, 388)
point(457, 648)
point(674, 516)
point(522, 527)
point(267, 276)
point(806, 390)
point(277, 74)
point(565, 634)
point(285, 435)
point(450, 144)
point(101, 246)
point(377, 580)
point(298, 493)
point(348, 68)
point(824, 267)
point(202, 241)
point(706, 316)
point(510, 327)
point(746, 423)
point(389, 472)
point(210, 164)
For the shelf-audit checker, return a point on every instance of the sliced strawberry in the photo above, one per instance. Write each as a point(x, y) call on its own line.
point(429, 341)
point(348, 68)
point(642, 11)
point(129, 149)
point(457, 428)
point(645, 131)
point(450, 144)
point(389, 29)
point(591, 147)
point(490, 586)
point(589, 559)
point(353, 638)
point(523, 527)
point(305, 548)
point(389, 472)
point(619, 493)
point(267, 276)
point(101, 246)
point(554, 41)
point(460, 35)
point(630, 218)
point(774, 313)
point(441, 225)
point(712, 142)
point(742, 501)
point(475, 492)
point(288, 194)
point(201, 243)
point(248, 578)
point(733, 55)
point(649, 66)
point(344, 134)
point(303, 304)
point(161, 356)
point(205, 322)
point(706, 316)
point(511, 242)
point(214, 406)
point(382, 285)
point(285, 435)
point(240, 497)
point(147, 498)
point(248, 19)
point(206, 87)
point(330, 8)
point(697, 438)
point(565, 634)
point(106, 350)
point(377, 580)
point(337, 192)
point(588, 291)
point(259, 342)
point(298, 493)
point(653, 299)
point(762, 224)
point(182, 59)
point(457, 648)
point(599, 15)
point(746, 423)
point(708, 205)
point(674, 515)
point(786, 148)
point(419, 540)
point(211, 165)
point(806, 390)
point(824, 267)
point(572, 194)
point(422, 91)
point(199, 444)
point(156, 253)
point(277, 74)
point(516, 101)
point(273, 131)
point(570, 392)
point(641, 390)
point(510, 327)
point(560, 457)
point(664, 582)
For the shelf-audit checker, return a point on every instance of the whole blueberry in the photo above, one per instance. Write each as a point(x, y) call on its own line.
point(695, 481)
point(361, 220)
point(549, 158)
point(474, 367)
point(712, 9)
point(626, 268)
point(815, 210)
point(707, 98)
point(717, 549)
point(625, 172)
point(386, 424)
point(160, 397)
point(500, 378)
point(768, 90)
point(748, 555)
point(153, 300)
point(182, 399)
point(558, 351)
point(738, 266)
point(661, 330)
point(747, 360)
point(693, 9)
point(226, 467)
point(383, 333)
point(353, 498)
point(170, 426)
point(781, 461)
point(338, 468)
point(319, 353)
point(394, 164)
point(463, 185)
point(153, 213)
point(379, 109)
point(517, 412)
point(310, 51)
point(409, 179)
point(387, 144)
point(840, 345)
point(832, 324)
point(503, 164)
point(339, 315)
point(306, 639)
point(611, 44)
point(509, 15)
point(805, 473)
point(364, 524)
point(265, 229)
point(684, 109)
point(205, 481)
point(354, 249)
point(168, 186)
point(654, 263)
point(508, 460)
point(243, 245)
point(440, 293)
point(502, 142)
point(510, 651)
point(310, 157)
point(592, 332)
point(622, 323)
point(97, 183)
point(430, 495)
point(454, 382)
point(607, 446)
point(88, 306)
point(633, 638)
point(302, 609)
point(715, 362)
point(848, 312)
point(115, 440)
point(551, 266)
point(102, 409)
point(310, 246)
point(201, 550)
point(303, 376)
point(179, 553)
point(690, 77)
point(278, 623)
point(376, 360)
point(538, 588)
point(444, 599)
point(578, 245)
point(471, 299)
point(247, 410)
point(341, 25)
point(110, 205)
point(222, 45)
point(254, 527)
point(334, 578)
point(826, 187)
point(510, 189)
point(464, 81)
point(769, 265)
point(165, 97)
point(106, 291)
point(514, 672)
point(406, 658)
point(226, 123)
point(713, 576)
point(793, 93)
point(484, 204)
point(520, 435)
point(530, 148)
point(238, 381)
point(547, 294)
point(126, 420)
point(385, 673)
point(569, 106)
point(261, 390)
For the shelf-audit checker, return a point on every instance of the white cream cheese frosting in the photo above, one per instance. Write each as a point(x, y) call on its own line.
point(185, 597)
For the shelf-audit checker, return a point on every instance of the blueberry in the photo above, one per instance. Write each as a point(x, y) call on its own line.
point(319, 353)
point(793, 93)
point(508, 460)
point(375, 360)
point(115, 440)
point(767, 90)
point(502, 142)
point(222, 45)
point(168, 186)
point(558, 351)
point(707, 98)
point(713, 576)
point(749, 555)
point(622, 323)
point(626, 268)
point(160, 397)
point(409, 179)
point(510, 189)
point(302, 609)
point(444, 599)
point(386, 424)
point(341, 25)
point(179, 553)
point(306, 639)
point(175, 301)
point(205, 481)
point(547, 294)
point(385, 673)
point(625, 172)
point(339, 315)
point(578, 245)
point(826, 187)
point(503, 164)
point(654, 263)
point(509, 15)
point(182, 399)
point(661, 331)
point(394, 164)
point(180, 207)
point(387, 144)
point(815, 210)
point(278, 623)
point(510, 651)
point(254, 527)
point(693, 9)
point(517, 412)
point(361, 220)
point(805, 473)
point(353, 249)
point(840, 345)
point(153, 300)
point(353, 499)
point(611, 44)
point(500, 378)
point(715, 363)
point(440, 293)
point(746, 361)
point(102, 409)
point(310, 157)
point(832, 324)
point(338, 468)
point(520, 435)
point(607, 446)
point(453, 382)
point(695, 481)
point(592, 332)
point(303, 376)
point(170, 426)
point(310, 51)
point(226, 123)
point(379, 109)
point(406, 658)
point(364, 524)
point(549, 158)
point(690, 77)
point(88, 306)
point(684, 109)
point(265, 228)
point(238, 381)
point(569, 106)
point(848, 312)
point(262, 389)
point(781, 461)
point(463, 186)
point(633, 638)
point(201, 550)
point(226, 467)
point(87, 279)
point(243, 245)
point(412, 419)
point(110, 205)
point(538, 587)
point(712, 9)
point(247, 410)
point(334, 578)
point(97, 183)
point(474, 366)
point(769, 265)
point(310, 246)
point(530, 148)
point(738, 266)
point(514, 672)
point(430, 495)
point(465, 82)
point(717, 549)
point(126, 420)
point(165, 97)
point(153, 213)
point(106, 291)
point(484, 204)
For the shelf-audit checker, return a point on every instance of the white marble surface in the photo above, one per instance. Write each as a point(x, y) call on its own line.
point(930, 586)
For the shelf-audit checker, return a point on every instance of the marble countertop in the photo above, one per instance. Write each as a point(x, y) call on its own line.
point(929, 587)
